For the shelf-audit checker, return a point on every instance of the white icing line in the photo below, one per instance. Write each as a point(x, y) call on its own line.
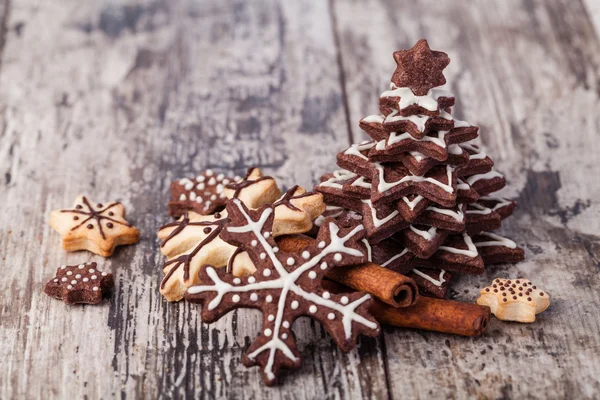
point(471, 249)
point(497, 241)
point(437, 282)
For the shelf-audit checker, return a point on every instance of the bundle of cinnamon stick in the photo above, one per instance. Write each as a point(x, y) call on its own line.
point(397, 302)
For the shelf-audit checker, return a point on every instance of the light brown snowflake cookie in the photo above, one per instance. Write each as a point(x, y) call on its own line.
point(194, 240)
point(514, 299)
point(95, 227)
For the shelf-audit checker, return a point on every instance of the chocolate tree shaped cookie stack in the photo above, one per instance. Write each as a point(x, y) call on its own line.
point(421, 185)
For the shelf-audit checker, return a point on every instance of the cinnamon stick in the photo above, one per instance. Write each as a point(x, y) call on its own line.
point(428, 314)
point(439, 315)
point(389, 286)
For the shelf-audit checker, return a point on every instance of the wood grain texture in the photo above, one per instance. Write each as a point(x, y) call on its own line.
point(116, 99)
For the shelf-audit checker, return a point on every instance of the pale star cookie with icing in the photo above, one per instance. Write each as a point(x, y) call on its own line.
point(514, 299)
point(93, 226)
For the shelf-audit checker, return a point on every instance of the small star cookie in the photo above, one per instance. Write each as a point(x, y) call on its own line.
point(514, 299)
point(82, 283)
point(93, 226)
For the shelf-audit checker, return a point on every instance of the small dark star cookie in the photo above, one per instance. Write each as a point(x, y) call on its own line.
point(82, 283)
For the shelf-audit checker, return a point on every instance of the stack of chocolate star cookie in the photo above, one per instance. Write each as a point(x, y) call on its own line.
point(421, 186)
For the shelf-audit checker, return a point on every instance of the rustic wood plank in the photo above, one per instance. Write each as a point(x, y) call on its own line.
point(115, 100)
point(527, 73)
point(593, 9)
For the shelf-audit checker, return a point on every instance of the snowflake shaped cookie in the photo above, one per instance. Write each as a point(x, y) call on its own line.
point(194, 240)
point(286, 286)
point(95, 227)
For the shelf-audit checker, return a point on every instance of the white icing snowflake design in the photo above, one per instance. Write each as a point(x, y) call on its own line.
point(286, 286)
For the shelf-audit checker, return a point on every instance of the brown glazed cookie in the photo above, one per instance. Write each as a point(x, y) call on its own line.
point(392, 182)
point(487, 183)
point(457, 254)
point(433, 282)
point(481, 218)
point(286, 286)
point(495, 249)
point(423, 241)
point(403, 101)
point(82, 283)
point(203, 194)
point(418, 163)
point(420, 68)
point(479, 162)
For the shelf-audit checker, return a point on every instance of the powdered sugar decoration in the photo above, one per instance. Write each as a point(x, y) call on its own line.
point(291, 293)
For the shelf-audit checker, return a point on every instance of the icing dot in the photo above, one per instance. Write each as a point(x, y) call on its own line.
point(220, 177)
point(263, 256)
point(312, 274)
point(78, 276)
point(64, 279)
point(268, 332)
point(69, 272)
point(226, 181)
point(92, 270)
point(213, 197)
point(94, 277)
point(64, 267)
point(284, 336)
point(237, 281)
point(267, 272)
point(253, 243)
point(189, 186)
point(286, 324)
point(235, 298)
point(73, 282)
point(266, 235)
point(326, 295)
point(337, 257)
point(237, 178)
point(251, 279)
point(271, 317)
point(209, 172)
point(305, 255)
point(331, 316)
point(56, 280)
point(81, 266)
point(104, 274)
point(275, 249)
point(212, 181)
point(69, 287)
point(290, 261)
point(323, 265)
point(269, 298)
point(253, 297)
point(321, 244)
point(86, 279)
point(295, 305)
point(200, 186)
point(344, 300)
point(200, 178)
point(95, 288)
point(312, 309)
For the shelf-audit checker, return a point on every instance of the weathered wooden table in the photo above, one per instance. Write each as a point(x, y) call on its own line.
point(115, 99)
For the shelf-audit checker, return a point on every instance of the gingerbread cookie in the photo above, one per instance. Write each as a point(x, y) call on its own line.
point(93, 226)
point(82, 283)
point(254, 189)
point(203, 194)
point(286, 286)
point(514, 299)
point(194, 240)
